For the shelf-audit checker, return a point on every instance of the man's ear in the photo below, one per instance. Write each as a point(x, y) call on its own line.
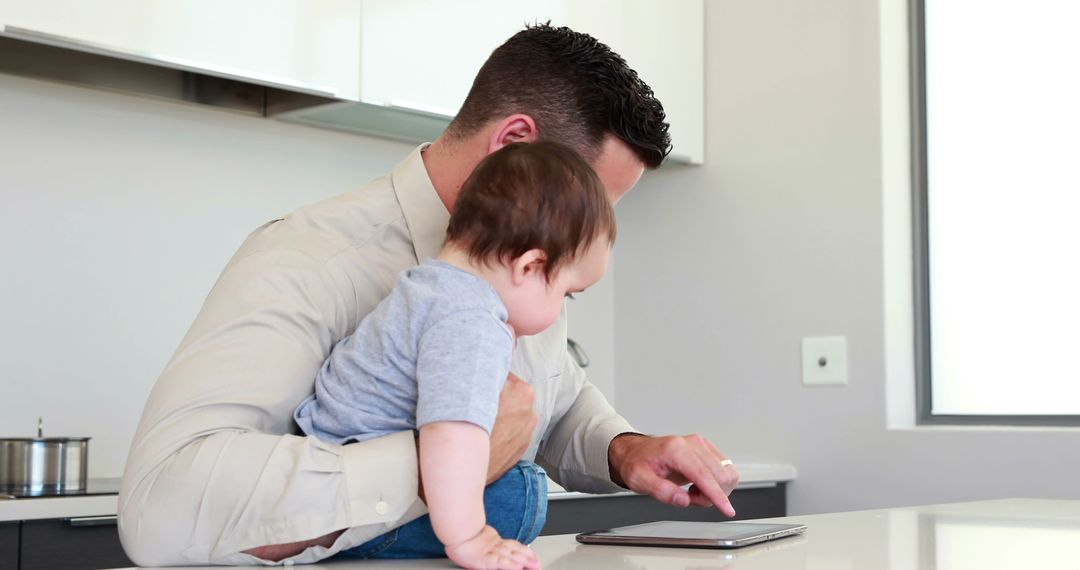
point(527, 266)
point(513, 129)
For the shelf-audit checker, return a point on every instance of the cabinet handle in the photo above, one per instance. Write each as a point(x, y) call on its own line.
point(104, 520)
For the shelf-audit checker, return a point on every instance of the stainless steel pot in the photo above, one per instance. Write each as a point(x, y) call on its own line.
point(42, 464)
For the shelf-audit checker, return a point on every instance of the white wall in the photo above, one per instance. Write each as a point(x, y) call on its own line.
point(723, 269)
point(118, 214)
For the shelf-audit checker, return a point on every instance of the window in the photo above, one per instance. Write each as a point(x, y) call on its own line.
point(996, 158)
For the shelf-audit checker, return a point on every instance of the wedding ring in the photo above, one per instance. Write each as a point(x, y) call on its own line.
point(726, 462)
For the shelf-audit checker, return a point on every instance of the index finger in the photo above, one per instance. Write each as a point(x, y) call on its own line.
point(701, 475)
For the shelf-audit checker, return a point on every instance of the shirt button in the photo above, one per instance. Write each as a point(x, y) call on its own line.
point(382, 508)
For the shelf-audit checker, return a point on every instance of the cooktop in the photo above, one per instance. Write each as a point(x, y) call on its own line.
point(93, 487)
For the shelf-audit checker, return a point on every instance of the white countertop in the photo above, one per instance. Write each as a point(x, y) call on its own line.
point(101, 501)
point(751, 476)
point(987, 535)
point(57, 507)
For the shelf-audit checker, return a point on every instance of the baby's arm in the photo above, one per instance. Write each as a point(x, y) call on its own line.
point(453, 464)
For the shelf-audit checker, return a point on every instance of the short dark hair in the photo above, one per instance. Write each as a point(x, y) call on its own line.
point(531, 196)
point(574, 87)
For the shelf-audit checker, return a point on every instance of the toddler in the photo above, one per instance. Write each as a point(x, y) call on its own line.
point(530, 226)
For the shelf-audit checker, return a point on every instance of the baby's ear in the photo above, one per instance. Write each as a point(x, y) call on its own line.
point(528, 265)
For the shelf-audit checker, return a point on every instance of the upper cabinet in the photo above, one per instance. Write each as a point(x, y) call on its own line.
point(399, 68)
point(424, 54)
point(309, 46)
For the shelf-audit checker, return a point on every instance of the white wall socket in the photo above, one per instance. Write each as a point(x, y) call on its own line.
point(824, 360)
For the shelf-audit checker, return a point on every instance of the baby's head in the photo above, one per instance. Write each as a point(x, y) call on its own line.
point(536, 218)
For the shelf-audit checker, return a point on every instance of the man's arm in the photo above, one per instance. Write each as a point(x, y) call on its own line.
point(574, 450)
point(509, 440)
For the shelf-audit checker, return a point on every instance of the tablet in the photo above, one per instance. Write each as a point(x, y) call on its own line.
point(692, 534)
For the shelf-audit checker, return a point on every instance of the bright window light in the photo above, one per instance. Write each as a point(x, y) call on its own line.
point(1024, 544)
point(1003, 203)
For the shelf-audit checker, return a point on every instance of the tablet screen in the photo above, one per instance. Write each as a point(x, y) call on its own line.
point(688, 534)
point(695, 530)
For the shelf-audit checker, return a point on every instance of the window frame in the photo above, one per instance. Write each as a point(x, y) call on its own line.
point(921, 253)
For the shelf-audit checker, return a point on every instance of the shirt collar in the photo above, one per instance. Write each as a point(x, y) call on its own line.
point(425, 214)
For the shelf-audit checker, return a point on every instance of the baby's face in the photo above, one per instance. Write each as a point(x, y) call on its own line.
point(540, 301)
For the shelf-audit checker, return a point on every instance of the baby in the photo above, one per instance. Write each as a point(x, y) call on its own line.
point(531, 226)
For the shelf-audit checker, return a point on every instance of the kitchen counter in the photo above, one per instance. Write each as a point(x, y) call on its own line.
point(752, 476)
point(43, 533)
point(99, 500)
point(1009, 533)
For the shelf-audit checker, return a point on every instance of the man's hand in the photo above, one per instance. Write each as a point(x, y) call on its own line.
point(513, 427)
point(657, 466)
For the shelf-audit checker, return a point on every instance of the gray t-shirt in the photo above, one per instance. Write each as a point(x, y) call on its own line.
point(436, 349)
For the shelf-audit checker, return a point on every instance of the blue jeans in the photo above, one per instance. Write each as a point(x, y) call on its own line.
point(516, 506)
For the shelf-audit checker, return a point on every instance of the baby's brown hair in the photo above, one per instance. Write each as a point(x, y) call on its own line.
point(540, 195)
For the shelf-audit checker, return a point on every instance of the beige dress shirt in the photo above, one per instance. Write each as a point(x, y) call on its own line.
point(216, 468)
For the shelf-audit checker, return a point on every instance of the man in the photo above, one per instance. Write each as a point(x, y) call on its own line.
point(215, 475)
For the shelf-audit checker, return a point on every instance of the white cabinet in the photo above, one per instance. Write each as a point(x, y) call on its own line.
point(401, 67)
point(424, 54)
point(418, 59)
point(305, 45)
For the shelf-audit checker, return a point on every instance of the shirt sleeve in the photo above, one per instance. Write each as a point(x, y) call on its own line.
point(461, 365)
point(214, 469)
point(575, 451)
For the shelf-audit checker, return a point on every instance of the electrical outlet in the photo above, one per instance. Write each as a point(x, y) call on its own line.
point(824, 360)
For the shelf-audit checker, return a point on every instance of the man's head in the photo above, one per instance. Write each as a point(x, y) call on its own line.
point(548, 83)
point(574, 87)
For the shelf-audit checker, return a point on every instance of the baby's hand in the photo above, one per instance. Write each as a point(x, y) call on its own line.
point(488, 551)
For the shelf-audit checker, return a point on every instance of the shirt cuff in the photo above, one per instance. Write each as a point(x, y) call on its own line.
point(596, 452)
point(382, 478)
